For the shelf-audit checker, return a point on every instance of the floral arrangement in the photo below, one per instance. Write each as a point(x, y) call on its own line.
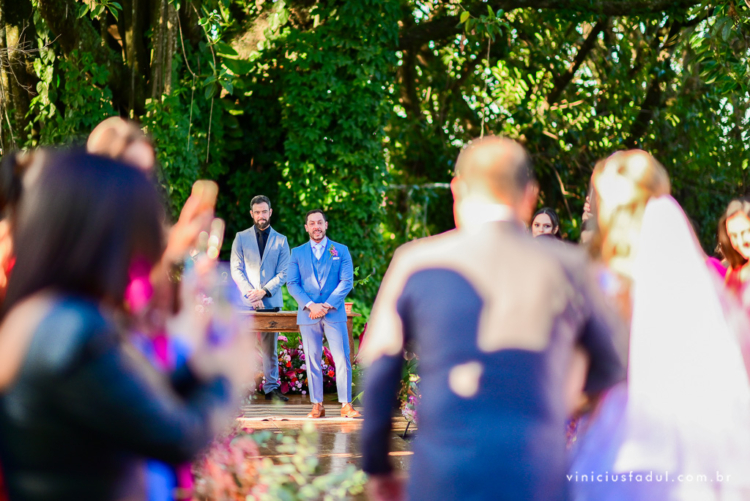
point(333, 251)
point(232, 469)
point(410, 397)
point(229, 469)
point(293, 368)
point(409, 394)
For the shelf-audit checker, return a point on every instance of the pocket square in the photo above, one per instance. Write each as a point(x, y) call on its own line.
point(336, 258)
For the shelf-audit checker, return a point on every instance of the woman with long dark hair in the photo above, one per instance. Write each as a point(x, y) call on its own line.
point(78, 409)
point(545, 222)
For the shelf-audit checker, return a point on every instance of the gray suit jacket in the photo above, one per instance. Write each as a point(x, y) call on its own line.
point(251, 272)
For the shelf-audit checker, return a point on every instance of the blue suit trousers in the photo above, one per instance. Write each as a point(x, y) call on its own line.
point(338, 341)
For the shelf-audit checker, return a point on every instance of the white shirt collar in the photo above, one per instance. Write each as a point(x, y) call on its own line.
point(476, 213)
point(320, 246)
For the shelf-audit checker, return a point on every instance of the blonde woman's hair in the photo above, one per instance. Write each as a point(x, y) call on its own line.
point(623, 185)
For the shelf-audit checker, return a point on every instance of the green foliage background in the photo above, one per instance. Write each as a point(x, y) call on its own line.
point(360, 107)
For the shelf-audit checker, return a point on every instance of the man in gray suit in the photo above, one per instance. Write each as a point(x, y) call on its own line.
point(259, 262)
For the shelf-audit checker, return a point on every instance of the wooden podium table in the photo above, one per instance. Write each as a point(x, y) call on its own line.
point(286, 321)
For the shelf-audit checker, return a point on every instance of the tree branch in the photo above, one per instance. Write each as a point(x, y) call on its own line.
point(447, 26)
point(652, 102)
point(562, 80)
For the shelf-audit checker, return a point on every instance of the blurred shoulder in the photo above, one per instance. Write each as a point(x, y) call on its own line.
point(567, 254)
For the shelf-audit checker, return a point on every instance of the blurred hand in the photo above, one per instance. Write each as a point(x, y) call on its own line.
point(231, 359)
point(317, 310)
point(385, 488)
point(257, 305)
point(586, 210)
point(256, 295)
point(193, 219)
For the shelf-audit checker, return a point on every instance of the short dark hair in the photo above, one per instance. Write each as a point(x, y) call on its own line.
point(260, 199)
point(81, 225)
point(315, 211)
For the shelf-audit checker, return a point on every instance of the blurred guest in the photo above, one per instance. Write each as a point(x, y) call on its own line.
point(259, 262)
point(122, 139)
point(545, 222)
point(78, 409)
point(13, 179)
point(719, 262)
point(685, 407)
point(736, 229)
point(496, 319)
point(151, 295)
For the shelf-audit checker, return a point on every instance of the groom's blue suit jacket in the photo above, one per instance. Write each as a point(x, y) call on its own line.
point(332, 286)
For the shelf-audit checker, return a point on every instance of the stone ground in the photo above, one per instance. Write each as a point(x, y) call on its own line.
point(339, 443)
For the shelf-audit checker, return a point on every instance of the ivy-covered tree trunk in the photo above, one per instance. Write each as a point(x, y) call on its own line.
point(17, 79)
point(335, 107)
point(164, 46)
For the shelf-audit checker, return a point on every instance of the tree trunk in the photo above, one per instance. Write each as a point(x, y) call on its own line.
point(133, 24)
point(17, 77)
point(164, 42)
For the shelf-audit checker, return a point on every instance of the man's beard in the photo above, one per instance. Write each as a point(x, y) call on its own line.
point(318, 236)
point(262, 225)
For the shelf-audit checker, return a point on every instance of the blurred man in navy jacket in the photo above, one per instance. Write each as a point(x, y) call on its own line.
point(498, 320)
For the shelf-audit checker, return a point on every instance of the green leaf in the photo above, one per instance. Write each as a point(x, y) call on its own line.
point(84, 11)
point(225, 50)
point(491, 12)
point(238, 66)
point(726, 31)
point(465, 15)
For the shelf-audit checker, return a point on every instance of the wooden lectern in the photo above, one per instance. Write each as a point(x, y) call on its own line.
point(286, 321)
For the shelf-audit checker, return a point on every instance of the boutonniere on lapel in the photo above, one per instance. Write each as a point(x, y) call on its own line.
point(333, 251)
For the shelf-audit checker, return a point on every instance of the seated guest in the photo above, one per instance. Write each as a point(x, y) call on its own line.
point(78, 409)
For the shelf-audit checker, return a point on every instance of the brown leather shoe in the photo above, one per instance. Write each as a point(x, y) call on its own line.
point(318, 411)
point(349, 411)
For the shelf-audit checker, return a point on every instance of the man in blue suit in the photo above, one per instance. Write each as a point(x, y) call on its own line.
point(320, 277)
point(259, 261)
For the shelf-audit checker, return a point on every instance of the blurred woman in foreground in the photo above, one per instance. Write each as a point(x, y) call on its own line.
point(78, 409)
point(685, 407)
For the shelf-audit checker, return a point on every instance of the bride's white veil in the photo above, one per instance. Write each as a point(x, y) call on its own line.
point(688, 392)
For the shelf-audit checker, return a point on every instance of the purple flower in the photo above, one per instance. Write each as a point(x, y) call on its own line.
point(304, 392)
point(302, 356)
point(283, 338)
point(303, 367)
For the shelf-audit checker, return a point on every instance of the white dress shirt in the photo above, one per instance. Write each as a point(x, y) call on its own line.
point(318, 249)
